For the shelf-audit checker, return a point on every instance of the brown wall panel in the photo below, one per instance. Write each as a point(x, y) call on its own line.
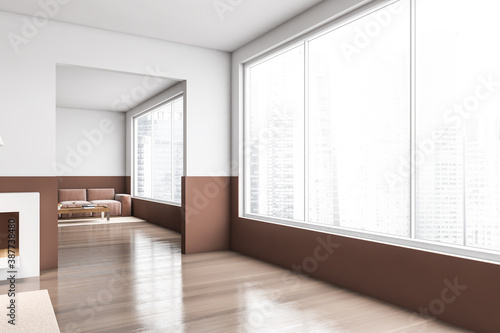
point(460, 291)
point(128, 185)
point(119, 183)
point(206, 227)
point(47, 187)
point(164, 215)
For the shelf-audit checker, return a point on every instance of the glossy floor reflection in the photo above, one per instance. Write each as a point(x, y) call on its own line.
point(132, 278)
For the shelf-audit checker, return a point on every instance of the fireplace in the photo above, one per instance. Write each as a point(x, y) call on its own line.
point(19, 235)
point(9, 234)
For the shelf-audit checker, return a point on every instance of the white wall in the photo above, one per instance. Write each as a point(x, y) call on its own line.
point(90, 142)
point(179, 88)
point(318, 15)
point(27, 83)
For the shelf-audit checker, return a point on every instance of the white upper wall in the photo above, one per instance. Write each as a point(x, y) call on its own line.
point(321, 14)
point(28, 103)
point(90, 142)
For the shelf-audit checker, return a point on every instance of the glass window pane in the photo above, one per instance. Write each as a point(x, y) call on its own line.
point(275, 165)
point(162, 153)
point(458, 122)
point(178, 167)
point(159, 152)
point(143, 152)
point(359, 123)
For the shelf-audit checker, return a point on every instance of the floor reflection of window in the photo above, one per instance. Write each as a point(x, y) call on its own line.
point(157, 267)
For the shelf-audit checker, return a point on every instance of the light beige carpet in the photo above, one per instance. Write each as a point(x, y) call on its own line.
point(33, 313)
point(97, 220)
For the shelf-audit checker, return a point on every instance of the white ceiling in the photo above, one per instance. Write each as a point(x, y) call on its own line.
point(218, 24)
point(96, 89)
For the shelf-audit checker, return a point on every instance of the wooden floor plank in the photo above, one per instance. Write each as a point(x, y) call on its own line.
point(132, 277)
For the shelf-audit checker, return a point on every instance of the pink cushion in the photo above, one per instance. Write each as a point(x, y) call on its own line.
point(72, 194)
point(100, 194)
point(115, 206)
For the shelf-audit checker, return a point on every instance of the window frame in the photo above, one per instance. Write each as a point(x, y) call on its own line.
point(179, 96)
point(411, 242)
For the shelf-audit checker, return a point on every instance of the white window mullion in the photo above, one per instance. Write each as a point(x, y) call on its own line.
point(306, 131)
point(172, 152)
point(134, 157)
point(245, 191)
point(413, 122)
point(152, 153)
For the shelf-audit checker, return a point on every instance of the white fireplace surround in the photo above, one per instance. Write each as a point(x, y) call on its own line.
point(28, 206)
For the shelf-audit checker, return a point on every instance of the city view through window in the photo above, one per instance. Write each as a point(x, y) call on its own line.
point(159, 152)
point(393, 110)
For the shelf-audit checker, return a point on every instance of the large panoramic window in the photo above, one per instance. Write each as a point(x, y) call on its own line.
point(158, 152)
point(385, 125)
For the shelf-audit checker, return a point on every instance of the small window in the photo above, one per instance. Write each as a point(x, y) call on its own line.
point(159, 152)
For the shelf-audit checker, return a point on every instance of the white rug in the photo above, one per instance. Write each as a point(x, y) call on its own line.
point(33, 313)
point(97, 220)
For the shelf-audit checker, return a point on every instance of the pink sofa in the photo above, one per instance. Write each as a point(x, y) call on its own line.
point(120, 204)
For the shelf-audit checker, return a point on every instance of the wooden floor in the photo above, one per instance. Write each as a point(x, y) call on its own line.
point(132, 277)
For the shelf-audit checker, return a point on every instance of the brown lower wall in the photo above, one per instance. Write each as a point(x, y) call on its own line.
point(121, 184)
point(420, 281)
point(47, 187)
point(164, 215)
point(128, 185)
point(206, 203)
